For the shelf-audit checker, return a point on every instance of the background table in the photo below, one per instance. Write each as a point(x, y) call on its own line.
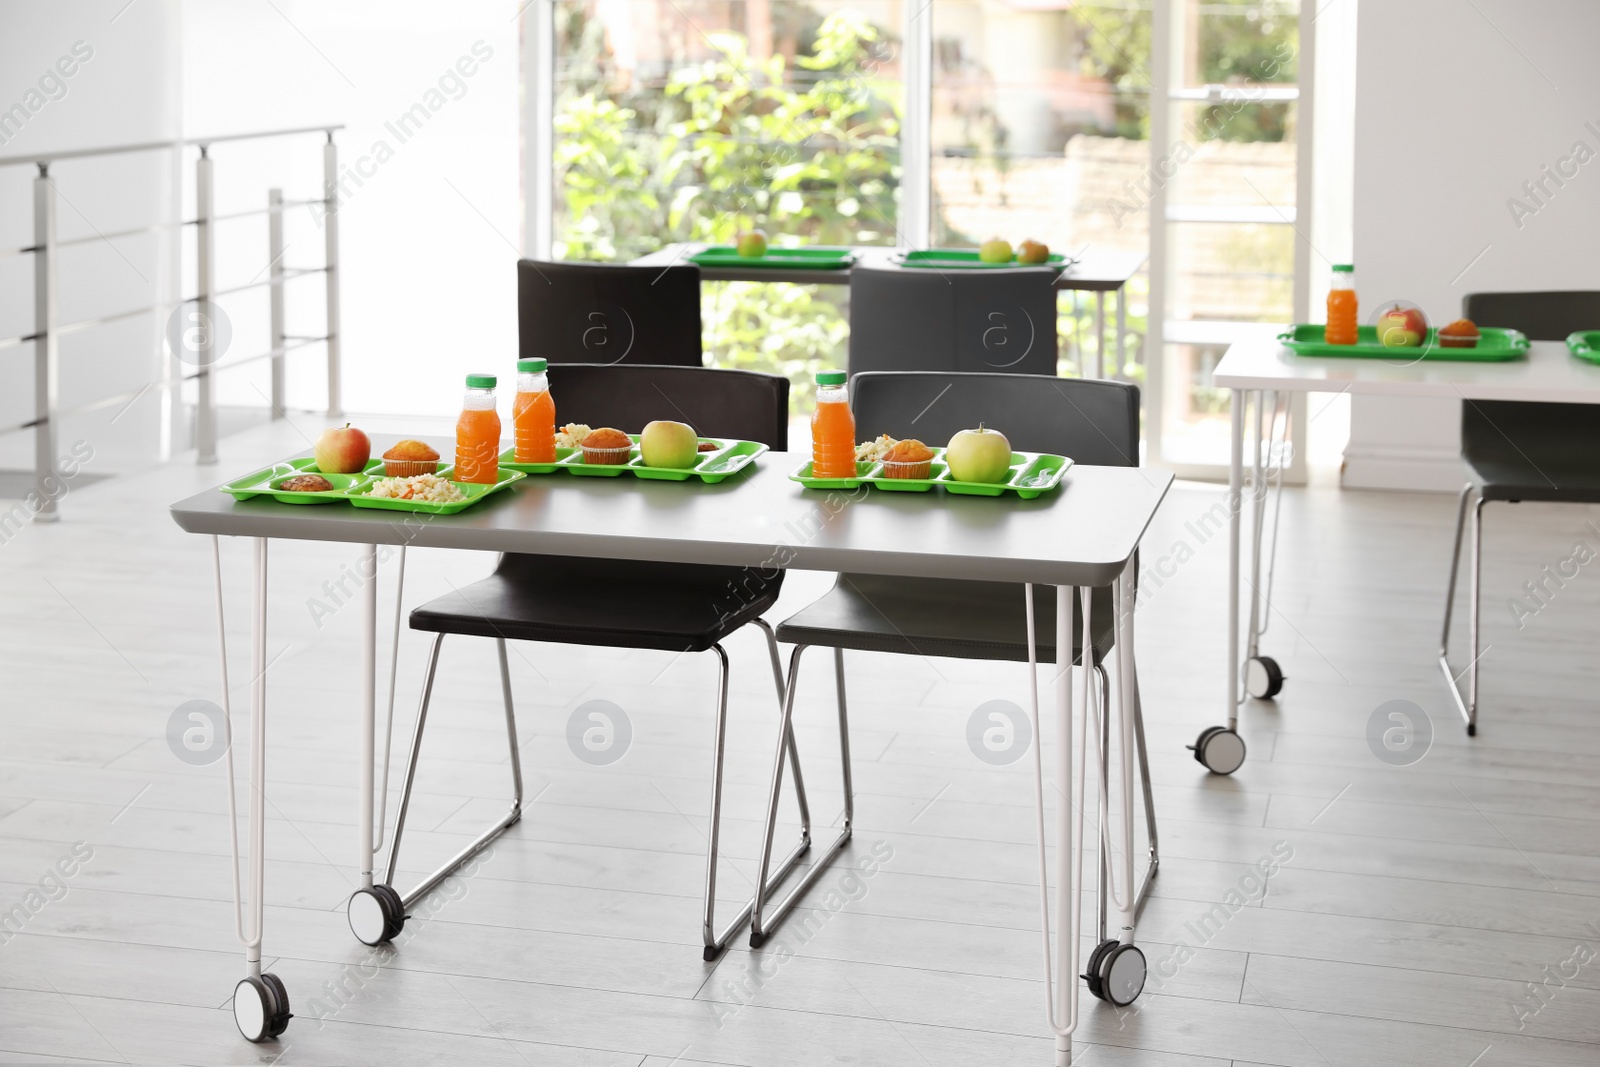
point(1084, 534)
point(1550, 374)
point(1098, 271)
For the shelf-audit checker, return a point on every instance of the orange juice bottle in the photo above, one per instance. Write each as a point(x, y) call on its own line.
point(533, 414)
point(1342, 306)
point(833, 429)
point(478, 433)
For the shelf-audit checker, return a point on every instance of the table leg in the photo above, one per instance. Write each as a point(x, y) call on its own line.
point(1100, 334)
point(368, 569)
point(1220, 749)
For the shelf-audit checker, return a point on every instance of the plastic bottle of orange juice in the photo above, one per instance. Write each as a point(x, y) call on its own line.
point(1342, 306)
point(533, 414)
point(833, 429)
point(478, 433)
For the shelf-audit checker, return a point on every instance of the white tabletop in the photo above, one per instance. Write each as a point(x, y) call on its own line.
point(1549, 374)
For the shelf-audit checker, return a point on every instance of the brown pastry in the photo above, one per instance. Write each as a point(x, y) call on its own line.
point(305, 483)
point(607, 446)
point(708, 446)
point(1462, 333)
point(908, 459)
point(407, 459)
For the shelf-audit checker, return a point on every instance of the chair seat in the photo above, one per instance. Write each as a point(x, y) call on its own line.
point(615, 603)
point(941, 617)
point(1569, 479)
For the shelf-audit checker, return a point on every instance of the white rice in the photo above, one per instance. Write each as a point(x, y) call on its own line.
point(426, 488)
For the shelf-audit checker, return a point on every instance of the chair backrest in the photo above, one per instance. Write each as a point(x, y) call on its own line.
point(717, 403)
point(1094, 422)
point(608, 313)
point(957, 320)
point(1513, 430)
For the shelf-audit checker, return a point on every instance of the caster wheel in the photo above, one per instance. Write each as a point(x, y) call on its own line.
point(1115, 973)
point(261, 1008)
point(1263, 678)
point(1219, 750)
point(376, 915)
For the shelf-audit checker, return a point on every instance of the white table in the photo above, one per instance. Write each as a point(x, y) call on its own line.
point(1252, 370)
point(1080, 536)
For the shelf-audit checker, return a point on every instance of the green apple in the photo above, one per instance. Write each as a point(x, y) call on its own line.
point(980, 455)
point(995, 250)
point(1031, 251)
point(669, 444)
point(751, 243)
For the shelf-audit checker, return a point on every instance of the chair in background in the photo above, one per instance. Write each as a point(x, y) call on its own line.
point(1515, 450)
point(608, 313)
point(614, 604)
point(1094, 422)
point(914, 319)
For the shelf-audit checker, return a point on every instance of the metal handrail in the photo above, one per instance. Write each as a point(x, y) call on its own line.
point(155, 146)
point(159, 227)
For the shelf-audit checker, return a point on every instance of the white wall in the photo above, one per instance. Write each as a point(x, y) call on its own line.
point(1457, 106)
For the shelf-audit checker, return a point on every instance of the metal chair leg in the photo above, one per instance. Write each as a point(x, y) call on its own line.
point(1467, 706)
point(482, 840)
point(763, 921)
point(715, 942)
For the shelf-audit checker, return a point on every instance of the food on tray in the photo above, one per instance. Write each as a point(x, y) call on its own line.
point(409, 459)
point(1401, 327)
point(306, 483)
point(669, 444)
point(708, 446)
point(907, 459)
point(342, 451)
point(995, 250)
point(1462, 333)
point(571, 435)
point(1031, 251)
point(873, 451)
point(426, 488)
point(606, 446)
point(751, 243)
point(980, 455)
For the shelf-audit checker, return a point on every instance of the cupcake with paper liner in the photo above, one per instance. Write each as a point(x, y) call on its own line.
point(607, 447)
point(408, 459)
point(908, 459)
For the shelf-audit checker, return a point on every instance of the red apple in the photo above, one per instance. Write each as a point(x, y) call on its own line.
point(1401, 327)
point(342, 451)
point(1031, 251)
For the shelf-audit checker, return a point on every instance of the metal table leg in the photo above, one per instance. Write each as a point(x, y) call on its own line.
point(1100, 334)
point(1220, 749)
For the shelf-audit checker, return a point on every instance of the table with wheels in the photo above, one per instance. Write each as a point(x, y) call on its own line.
point(1081, 536)
point(1096, 270)
point(1261, 375)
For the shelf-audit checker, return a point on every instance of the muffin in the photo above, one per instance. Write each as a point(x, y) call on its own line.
point(907, 459)
point(409, 459)
point(1461, 333)
point(607, 447)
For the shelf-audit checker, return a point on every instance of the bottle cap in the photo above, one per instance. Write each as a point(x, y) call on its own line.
point(1344, 268)
point(480, 381)
point(831, 377)
point(532, 366)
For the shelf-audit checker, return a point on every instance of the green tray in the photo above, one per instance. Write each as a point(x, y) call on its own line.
point(1495, 345)
point(475, 492)
point(264, 482)
point(808, 258)
point(1585, 344)
point(730, 457)
point(967, 259)
point(1032, 474)
point(562, 455)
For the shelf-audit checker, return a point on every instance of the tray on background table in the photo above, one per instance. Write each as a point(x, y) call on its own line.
point(1032, 474)
point(729, 458)
point(811, 257)
point(1585, 344)
point(967, 259)
point(1495, 345)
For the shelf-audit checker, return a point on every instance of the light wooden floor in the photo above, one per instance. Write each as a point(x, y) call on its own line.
point(1417, 904)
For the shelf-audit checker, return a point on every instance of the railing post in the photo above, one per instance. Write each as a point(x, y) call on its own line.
point(275, 267)
point(206, 409)
point(46, 345)
point(330, 234)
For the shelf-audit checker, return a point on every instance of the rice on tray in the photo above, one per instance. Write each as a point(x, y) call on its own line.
point(426, 488)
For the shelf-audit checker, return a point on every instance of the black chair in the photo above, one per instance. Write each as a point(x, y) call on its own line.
point(1094, 422)
point(1515, 450)
point(608, 313)
point(615, 604)
point(915, 319)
